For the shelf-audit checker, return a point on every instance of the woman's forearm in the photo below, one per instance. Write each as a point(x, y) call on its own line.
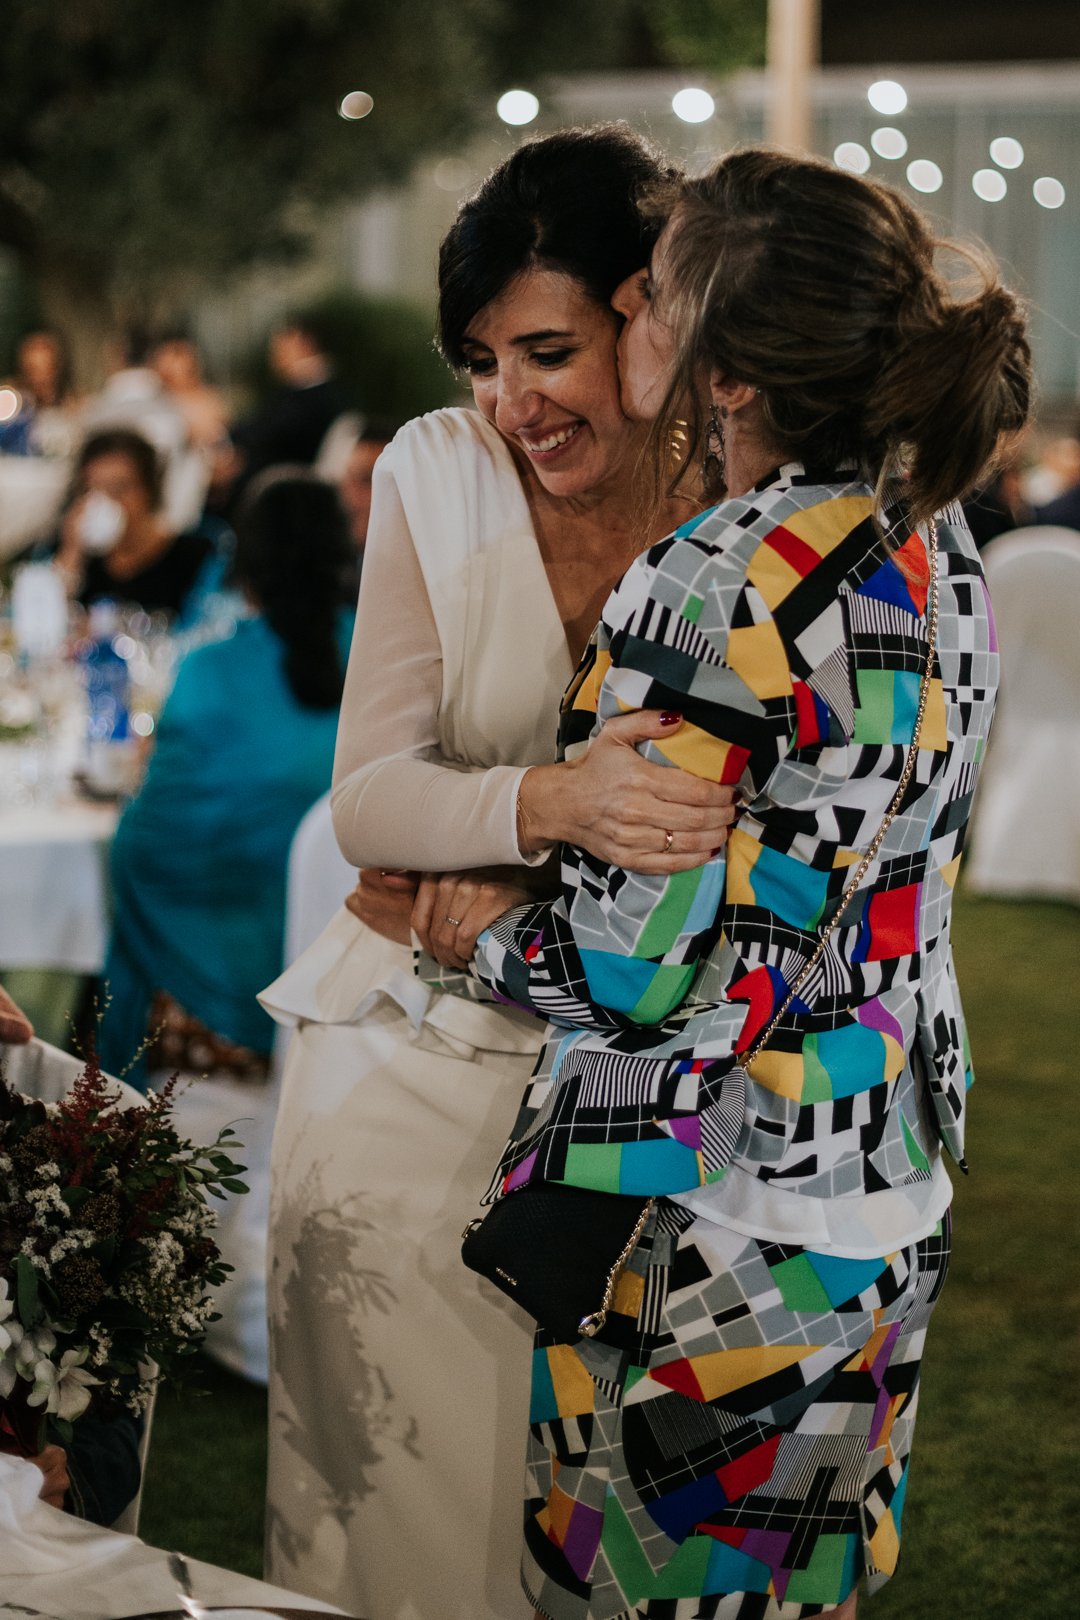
point(413, 813)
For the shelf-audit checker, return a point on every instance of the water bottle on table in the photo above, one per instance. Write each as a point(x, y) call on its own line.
point(109, 750)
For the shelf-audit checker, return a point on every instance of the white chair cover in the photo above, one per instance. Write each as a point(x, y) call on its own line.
point(337, 446)
point(319, 879)
point(1026, 824)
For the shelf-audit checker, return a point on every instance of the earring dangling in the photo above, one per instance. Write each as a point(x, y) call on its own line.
point(712, 465)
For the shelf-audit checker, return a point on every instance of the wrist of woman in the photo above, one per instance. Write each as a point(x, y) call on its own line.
point(538, 825)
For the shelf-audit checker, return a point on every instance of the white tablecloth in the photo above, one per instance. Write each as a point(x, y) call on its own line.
point(60, 1566)
point(31, 492)
point(53, 886)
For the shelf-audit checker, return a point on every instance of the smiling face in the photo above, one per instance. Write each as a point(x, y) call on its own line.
point(541, 361)
point(645, 343)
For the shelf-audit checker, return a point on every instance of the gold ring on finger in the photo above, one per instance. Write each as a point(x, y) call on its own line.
point(455, 922)
point(669, 839)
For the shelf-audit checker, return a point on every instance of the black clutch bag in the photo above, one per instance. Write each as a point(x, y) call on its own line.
point(557, 1251)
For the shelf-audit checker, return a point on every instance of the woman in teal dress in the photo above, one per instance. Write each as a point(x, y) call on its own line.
point(244, 747)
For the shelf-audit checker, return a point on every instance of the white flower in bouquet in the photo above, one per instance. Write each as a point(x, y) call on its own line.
point(106, 1258)
point(64, 1390)
point(7, 1311)
point(11, 1335)
point(36, 1346)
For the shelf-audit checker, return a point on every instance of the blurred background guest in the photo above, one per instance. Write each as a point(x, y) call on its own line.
point(43, 368)
point(999, 504)
point(1056, 469)
point(116, 541)
point(177, 363)
point(292, 424)
point(244, 746)
point(1062, 459)
point(135, 397)
point(354, 484)
point(47, 421)
point(176, 360)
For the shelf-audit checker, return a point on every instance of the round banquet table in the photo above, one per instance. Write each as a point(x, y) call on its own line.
point(54, 883)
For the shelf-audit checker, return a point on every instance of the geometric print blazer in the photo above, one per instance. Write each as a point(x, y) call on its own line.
point(791, 637)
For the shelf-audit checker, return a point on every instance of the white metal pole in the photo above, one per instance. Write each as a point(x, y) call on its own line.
point(794, 50)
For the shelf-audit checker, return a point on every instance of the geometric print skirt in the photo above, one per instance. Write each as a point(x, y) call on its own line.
point(736, 1445)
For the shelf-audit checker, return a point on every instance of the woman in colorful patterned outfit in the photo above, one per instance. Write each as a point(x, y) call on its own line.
point(736, 1441)
point(397, 1381)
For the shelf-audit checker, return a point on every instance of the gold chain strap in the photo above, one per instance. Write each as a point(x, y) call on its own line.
point(590, 1326)
point(890, 814)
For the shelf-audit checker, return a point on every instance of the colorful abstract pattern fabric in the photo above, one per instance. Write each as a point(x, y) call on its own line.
point(791, 636)
point(738, 1447)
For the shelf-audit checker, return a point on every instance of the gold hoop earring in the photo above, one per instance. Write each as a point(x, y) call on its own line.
point(677, 442)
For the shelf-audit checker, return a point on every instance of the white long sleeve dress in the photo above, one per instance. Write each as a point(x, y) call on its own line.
point(398, 1391)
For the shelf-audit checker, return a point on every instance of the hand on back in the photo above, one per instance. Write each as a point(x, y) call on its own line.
point(624, 809)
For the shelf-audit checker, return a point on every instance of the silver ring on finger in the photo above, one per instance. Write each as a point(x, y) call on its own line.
point(669, 839)
point(455, 922)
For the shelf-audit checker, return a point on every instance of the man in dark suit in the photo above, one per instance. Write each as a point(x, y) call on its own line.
point(292, 424)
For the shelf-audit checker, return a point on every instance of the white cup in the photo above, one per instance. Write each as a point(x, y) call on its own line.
point(101, 523)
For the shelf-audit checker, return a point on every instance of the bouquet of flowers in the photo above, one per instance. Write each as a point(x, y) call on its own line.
point(106, 1252)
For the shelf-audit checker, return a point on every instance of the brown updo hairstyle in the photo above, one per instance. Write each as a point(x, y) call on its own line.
point(829, 294)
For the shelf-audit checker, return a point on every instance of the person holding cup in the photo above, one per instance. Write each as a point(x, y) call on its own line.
point(115, 541)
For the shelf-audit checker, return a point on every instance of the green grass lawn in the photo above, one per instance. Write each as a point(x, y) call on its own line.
point(991, 1527)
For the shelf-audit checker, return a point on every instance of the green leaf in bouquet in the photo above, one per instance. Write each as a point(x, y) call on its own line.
point(31, 1310)
point(119, 1314)
point(47, 1298)
point(104, 1251)
point(232, 1185)
point(75, 1197)
point(63, 1429)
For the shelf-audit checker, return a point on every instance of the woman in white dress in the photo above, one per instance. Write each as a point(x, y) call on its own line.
point(398, 1387)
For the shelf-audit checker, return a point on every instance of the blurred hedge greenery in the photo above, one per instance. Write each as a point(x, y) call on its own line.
point(384, 352)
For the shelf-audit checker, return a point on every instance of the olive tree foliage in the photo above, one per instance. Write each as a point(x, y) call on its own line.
point(149, 150)
point(716, 35)
point(142, 146)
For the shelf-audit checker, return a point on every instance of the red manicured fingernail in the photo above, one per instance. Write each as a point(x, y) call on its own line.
point(668, 717)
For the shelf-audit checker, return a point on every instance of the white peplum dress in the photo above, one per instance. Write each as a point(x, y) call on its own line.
point(398, 1390)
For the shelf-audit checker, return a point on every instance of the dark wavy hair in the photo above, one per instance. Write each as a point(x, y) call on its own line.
point(293, 554)
point(565, 202)
point(123, 442)
point(831, 295)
